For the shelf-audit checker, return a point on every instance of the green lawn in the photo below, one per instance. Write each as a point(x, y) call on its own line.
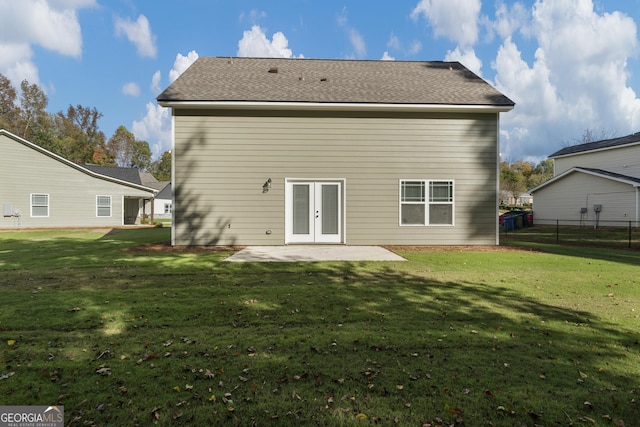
point(546, 335)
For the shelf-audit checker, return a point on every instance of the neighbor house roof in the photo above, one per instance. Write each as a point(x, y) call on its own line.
point(328, 81)
point(614, 176)
point(165, 193)
point(598, 145)
point(82, 168)
point(132, 175)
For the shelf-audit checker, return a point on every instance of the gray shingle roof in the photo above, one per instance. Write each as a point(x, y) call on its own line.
point(217, 79)
point(131, 175)
point(598, 145)
point(610, 174)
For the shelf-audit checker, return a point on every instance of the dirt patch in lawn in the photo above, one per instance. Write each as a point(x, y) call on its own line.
point(166, 247)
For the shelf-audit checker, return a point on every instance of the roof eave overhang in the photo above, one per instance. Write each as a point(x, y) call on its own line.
point(337, 106)
point(594, 150)
point(586, 172)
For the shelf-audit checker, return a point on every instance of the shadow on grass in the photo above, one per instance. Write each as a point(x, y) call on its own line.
point(363, 328)
point(616, 254)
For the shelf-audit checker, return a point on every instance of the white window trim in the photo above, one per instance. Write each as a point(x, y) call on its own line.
point(31, 205)
point(426, 202)
point(98, 206)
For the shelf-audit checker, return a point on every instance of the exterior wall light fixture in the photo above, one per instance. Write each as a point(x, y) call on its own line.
point(266, 186)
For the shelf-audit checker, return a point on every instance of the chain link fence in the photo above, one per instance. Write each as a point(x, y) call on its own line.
point(614, 234)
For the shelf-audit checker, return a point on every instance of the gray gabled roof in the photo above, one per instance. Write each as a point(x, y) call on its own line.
point(131, 175)
point(318, 81)
point(614, 176)
point(165, 193)
point(598, 145)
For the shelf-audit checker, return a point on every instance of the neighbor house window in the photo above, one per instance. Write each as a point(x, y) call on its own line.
point(40, 205)
point(167, 208)
point(426, 202)
point(103, 205)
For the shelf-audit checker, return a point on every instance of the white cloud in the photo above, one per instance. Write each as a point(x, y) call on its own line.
point(131, 89)
point(155, 82)
point(253, 16)
point(52, 25)
point(387, 57)
point(394, 42)
point(358, 45)
point(512, 18)
point(155, 128)
point(577, 80)
point(456, 20)
point(415, 48)
point(181, 64)
point(139, 33)
point(254, 43)
point(466, 57)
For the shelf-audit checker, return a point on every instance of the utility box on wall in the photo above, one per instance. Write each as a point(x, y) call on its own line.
point(8, 210)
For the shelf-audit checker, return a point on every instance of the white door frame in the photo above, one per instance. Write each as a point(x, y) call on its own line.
point(314, 232)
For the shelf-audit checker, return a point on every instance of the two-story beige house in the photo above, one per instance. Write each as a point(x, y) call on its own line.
point(286, 151)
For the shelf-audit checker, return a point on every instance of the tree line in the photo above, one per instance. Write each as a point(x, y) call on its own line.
point(74, 134)
point(521, 176)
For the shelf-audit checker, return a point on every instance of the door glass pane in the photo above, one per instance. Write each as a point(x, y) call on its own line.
point(330, 214)
point(300, 209)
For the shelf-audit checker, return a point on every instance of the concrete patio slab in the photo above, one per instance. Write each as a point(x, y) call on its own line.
point(294, 253)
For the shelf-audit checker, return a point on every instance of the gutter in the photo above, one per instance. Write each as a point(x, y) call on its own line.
point(336, 106)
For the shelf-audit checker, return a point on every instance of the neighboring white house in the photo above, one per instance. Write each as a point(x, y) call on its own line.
point(41, 189)
point(162, 203)
point(594, 183)
point(272, 151)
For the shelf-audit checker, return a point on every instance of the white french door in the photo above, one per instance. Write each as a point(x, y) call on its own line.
point(314, 211)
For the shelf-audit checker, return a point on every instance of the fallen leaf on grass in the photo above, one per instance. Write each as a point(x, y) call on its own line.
point(11, 342)
point(361, 416)
point(155, 412)
point(5, 376)
point(103, 370)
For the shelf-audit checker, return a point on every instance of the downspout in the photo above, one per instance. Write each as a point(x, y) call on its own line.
point(637, 204)
point(497, 201)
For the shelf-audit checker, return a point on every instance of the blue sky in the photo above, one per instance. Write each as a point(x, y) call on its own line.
point(570, 65)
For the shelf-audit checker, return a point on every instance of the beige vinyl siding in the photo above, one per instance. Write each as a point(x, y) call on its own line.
point(622, 160)
point(72, 193)
point(221, 163)
point(563, 200)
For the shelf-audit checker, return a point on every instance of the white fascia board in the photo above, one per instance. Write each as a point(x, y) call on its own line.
point(586, 172)
point(336, 106)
